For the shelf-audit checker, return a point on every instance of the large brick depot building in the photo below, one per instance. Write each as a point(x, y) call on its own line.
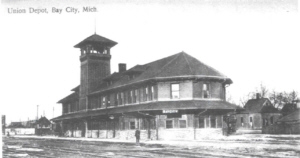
point(176, 97)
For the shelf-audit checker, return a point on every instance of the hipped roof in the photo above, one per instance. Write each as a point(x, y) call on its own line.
point(180, 65)
point(72, 96)
point(96, 39)
point(154, 106)
point(43, 121)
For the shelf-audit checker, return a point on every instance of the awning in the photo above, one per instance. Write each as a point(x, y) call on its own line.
point(153, 106)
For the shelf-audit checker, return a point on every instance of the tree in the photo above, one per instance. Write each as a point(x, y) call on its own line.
point(293, 96)
point(262, 90)
point(243, 100)
point(279, 99)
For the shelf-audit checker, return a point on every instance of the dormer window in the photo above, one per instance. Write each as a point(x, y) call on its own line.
point(205, 90)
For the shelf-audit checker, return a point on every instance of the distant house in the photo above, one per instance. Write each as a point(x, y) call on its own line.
point(16, 125)
point(289, 124)
point(258, 113)
point(288, 108)
point(39, 127)
point(19, 128)
point(42, 126)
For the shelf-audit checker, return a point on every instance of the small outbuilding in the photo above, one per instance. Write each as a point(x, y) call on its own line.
point(289, 124)
point(43, 126)
point(258, 113)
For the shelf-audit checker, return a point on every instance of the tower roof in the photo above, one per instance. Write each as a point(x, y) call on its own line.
point(96, 39)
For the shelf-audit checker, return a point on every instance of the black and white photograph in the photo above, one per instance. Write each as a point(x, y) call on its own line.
point(147, 79)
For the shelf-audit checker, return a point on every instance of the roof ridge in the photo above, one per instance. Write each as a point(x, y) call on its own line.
point(183, 53)
point(177, 55)
point(207, 66)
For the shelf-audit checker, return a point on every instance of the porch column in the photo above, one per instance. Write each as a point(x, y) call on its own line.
point(62, 129)
point(86, 128)
point(156, 120)
point(194, 117)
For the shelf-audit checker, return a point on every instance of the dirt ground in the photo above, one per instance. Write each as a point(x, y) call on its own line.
point(238, 146)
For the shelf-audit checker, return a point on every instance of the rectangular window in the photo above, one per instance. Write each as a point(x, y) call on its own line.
point(151, 93)
point(146, 94)
point(201, 122)
point(77, 106)
point(175, 91)
point(272, 120)
point(141, 93)
point(205, 90)
point(128, 97)
point(131, 96)
point(116, 99)
point(169, 123)
point(104, 102)
point(242, 121)
point(108, 100)
point(122, 98)
point(212, 121)
point(65, 109)
point(132, 125)
point(250, 119)
point(134, 96)
point(182, 123)
point(266, 122)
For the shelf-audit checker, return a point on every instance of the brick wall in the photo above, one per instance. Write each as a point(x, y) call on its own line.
point(293, 128)
point(256, 123)
point(217, 90)
point(185, 90)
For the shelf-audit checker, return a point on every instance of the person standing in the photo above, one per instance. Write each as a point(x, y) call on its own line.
point(137, 136)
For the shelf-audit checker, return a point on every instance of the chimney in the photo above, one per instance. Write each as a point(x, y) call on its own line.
point(257, 95)
point(122, 67)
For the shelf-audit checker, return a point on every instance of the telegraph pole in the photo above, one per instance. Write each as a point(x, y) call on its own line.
point(37, 112)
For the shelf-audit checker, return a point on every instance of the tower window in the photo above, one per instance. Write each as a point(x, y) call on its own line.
point(175, 91)
point(105, 51)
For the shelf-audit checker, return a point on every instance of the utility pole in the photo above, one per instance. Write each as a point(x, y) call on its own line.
point(53, 113)
point(37, 112)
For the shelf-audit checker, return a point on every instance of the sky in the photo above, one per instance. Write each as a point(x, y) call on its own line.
point(251, 43)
